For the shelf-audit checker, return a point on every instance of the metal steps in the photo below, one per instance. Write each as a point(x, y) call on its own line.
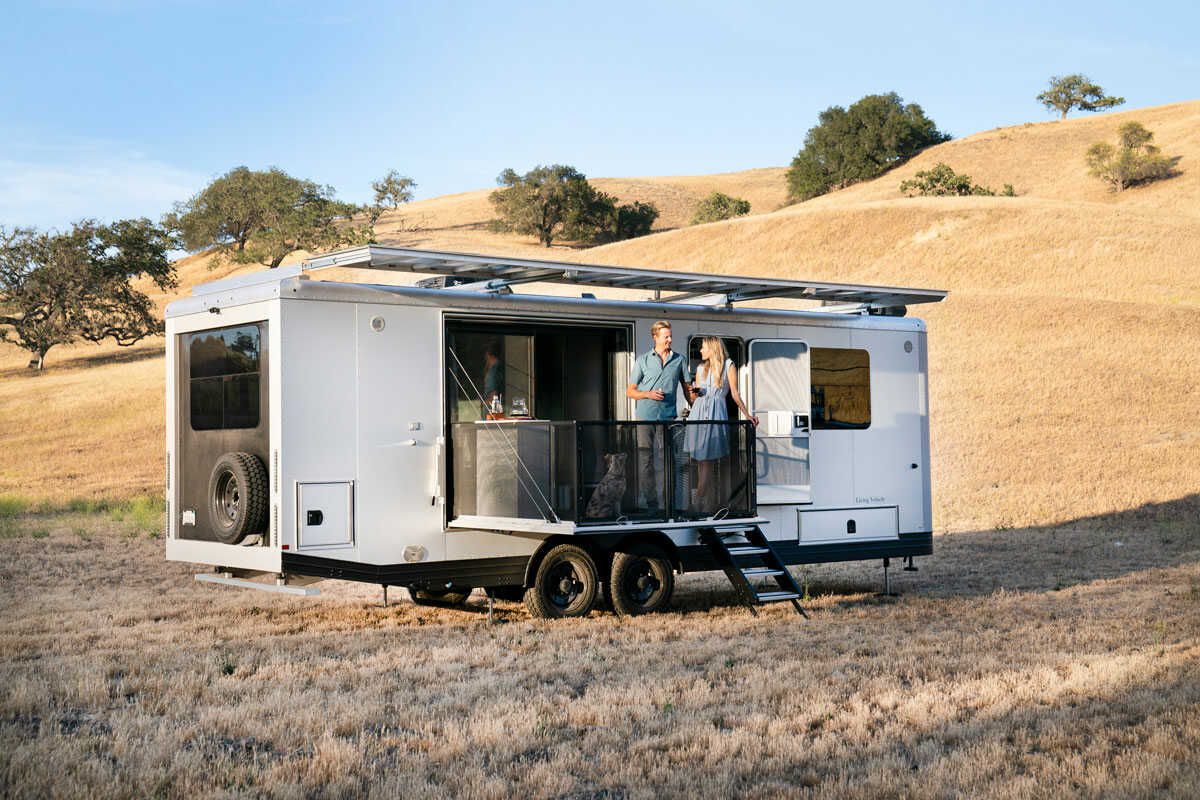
point(733, 557)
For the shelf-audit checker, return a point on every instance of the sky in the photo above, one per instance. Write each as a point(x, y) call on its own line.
point(119, 108)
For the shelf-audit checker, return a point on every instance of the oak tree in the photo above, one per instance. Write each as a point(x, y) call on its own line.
point(263, 215)
point(854, 144)
point(1075, 91)
point(57, 288)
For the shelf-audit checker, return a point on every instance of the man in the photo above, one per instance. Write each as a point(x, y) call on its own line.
point(493, 376)
point(652, 382)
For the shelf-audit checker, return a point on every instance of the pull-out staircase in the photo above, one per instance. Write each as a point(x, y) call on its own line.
point(745, 554)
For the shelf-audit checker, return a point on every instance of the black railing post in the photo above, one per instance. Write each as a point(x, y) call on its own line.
point(580, 503)
point(669, 467)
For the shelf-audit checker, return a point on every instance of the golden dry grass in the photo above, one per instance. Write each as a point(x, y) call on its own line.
point(1022, 663)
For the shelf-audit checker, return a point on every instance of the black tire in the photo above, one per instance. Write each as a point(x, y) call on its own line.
point(566, 584)
point(642, 581)
point(238, 497)
point(440, 596)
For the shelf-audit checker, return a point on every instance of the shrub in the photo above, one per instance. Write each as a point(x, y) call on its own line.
point(1132, 161)
point(942, 181)
point(12, 505)
point(143, 514)
point(634, 219)
point(718, 206)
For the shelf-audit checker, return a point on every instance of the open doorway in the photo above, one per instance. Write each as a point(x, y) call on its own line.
point(536, 370)
point(514, 391)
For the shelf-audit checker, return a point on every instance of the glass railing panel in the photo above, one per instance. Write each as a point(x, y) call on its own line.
point(514, 468)
point(665, 471)
point(603, 472)
point(716, 469)
point(623, 472)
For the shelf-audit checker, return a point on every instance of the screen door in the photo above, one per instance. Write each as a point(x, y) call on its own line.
point(780, 398)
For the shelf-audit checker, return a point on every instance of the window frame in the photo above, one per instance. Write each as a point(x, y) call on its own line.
point(225, 379)
point(816, 420)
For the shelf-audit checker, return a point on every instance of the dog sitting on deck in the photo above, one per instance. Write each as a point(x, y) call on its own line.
point(606, 500)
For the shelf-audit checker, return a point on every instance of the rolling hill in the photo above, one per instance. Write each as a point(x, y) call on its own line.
point(1063, 373)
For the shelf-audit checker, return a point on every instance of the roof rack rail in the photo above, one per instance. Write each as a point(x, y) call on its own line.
point(497, 274)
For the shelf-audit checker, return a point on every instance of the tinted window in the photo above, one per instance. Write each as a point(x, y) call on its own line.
point(841, 388)
point(226, 351)
point(224, 377)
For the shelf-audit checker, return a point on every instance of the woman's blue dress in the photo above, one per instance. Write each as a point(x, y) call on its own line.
point(708, 442)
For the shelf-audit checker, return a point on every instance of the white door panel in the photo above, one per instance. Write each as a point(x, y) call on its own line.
point(780, 397)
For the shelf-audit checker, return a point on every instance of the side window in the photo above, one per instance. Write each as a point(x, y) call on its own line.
point(841, 388)
point(223, 377)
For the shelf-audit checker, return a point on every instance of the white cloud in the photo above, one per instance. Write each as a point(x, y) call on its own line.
point(52, 185)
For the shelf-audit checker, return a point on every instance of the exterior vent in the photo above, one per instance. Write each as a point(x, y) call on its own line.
point(275, 524)
point(168, 469)
point(275, 469)
point(167, 521)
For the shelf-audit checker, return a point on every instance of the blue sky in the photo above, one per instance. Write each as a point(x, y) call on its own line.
point(120, 107)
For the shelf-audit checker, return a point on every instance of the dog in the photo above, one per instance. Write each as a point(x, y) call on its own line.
point(606, 499)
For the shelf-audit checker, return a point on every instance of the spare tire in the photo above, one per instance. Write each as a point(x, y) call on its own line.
point(237, 497)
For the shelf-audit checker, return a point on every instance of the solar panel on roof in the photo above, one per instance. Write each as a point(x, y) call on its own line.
point(490, 273)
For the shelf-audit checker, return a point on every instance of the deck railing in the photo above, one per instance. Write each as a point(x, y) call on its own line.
point(603, 472)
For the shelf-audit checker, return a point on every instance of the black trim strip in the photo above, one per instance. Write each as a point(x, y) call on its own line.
point(506, 571)
point(510, 570)
point(700, 559)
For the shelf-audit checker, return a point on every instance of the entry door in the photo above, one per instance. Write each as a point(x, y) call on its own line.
point(780, 398)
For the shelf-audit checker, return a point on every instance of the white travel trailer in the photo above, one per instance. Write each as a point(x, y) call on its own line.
point(458, 434)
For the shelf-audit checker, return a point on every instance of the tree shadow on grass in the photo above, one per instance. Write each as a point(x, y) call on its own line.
point(1049, 741)
point(125, 355)
point(974, 563)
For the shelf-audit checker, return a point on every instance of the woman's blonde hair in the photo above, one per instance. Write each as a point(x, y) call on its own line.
point(714, 365)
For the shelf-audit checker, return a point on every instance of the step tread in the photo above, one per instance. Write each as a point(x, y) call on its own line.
point(756, 572)
point(768, 597)
point(748, 550)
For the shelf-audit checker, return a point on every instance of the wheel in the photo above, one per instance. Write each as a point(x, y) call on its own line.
point(566, 584)
point(237, 497)
point(439, 596)
point(642, 581)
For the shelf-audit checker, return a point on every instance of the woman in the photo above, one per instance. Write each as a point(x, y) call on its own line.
point(716, 379)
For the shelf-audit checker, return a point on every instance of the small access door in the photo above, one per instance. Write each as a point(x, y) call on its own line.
point(780, 397)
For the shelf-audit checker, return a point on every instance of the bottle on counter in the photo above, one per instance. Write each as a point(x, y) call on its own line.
point(496, 411)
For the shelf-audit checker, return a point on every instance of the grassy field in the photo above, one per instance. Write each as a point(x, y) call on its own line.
point(1017, 663)
point(1049, 646)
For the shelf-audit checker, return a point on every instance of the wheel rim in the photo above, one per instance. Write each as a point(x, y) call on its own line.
point(228, 499)
point(564, 584)
point(641, 583)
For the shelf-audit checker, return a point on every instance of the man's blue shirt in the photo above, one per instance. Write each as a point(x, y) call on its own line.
point(650, 373)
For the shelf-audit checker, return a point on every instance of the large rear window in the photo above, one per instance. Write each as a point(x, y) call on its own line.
point(223, 377)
